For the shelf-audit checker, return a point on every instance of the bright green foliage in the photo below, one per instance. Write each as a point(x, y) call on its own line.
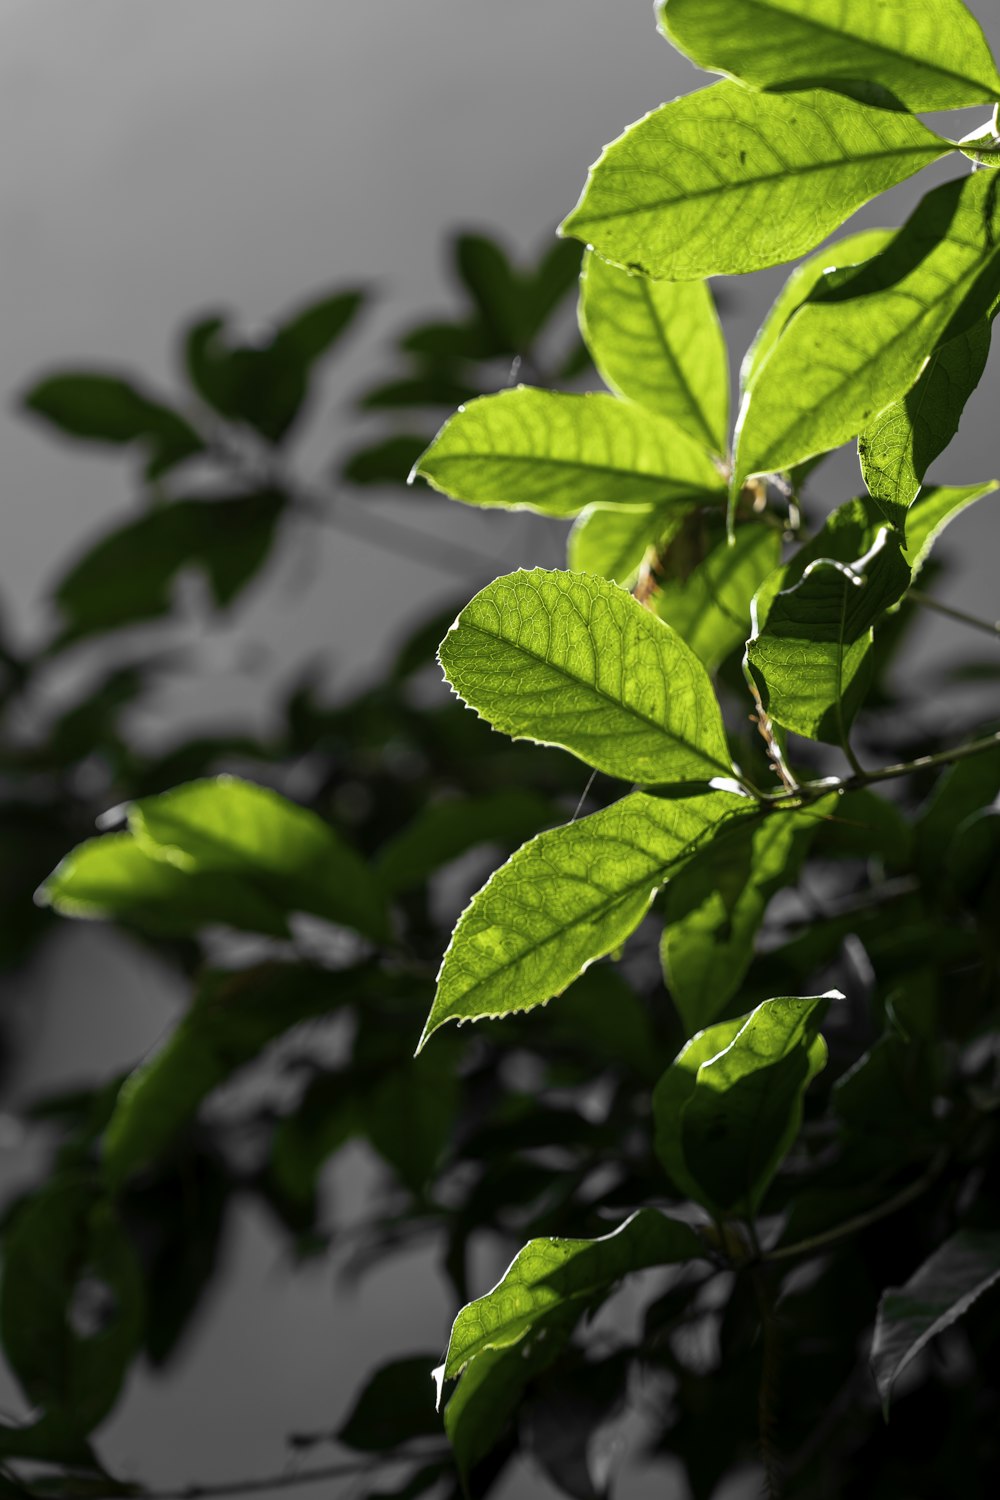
point(264, 857)
point(862, 337)
point(60, 1238)
point(927, 54)
point(710, 610)
point(568, 897)
point(539, 450)
point(571, 660)
point(811, 660)
point(933, 510)
point(901, 444)
point(726, 180)
point(550, 1273)
point(658, 343)
point(714, 907)
point(729, 1107)
point(850, 251)
point(940, 1292)
point(612, 541)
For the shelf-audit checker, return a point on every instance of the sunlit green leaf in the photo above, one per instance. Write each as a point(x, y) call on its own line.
point(612, 541)
point(570, 896)
point(932, 512)
point(527, 449)
point(927, 54)
point(572, 660)
point(710, 609)
point(550, 1272)
point(715, 905)
point(729, 1107)
point(940, 1292)
point(904, 440)
point(659, 343)
point(727, 180)
point(811, 660)
point(862, 337)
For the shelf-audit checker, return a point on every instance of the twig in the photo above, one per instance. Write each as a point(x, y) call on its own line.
point(286, 1480)
point(861, 1221)
point(991, 627)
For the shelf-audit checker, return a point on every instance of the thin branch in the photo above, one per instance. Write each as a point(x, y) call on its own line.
point(991, 627)
point(405, 541)
point(287, 1480)
point(861, 1221)
point(811, 791)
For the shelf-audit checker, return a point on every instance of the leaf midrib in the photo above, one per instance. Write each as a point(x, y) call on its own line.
point(679, 372)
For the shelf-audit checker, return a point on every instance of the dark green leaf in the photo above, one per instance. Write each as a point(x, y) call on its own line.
point(940, 1292)
point(110, 409)
point(726, 180)
point(388, 462)
point(396, 1406)
point(442, 831)
point(572, 660)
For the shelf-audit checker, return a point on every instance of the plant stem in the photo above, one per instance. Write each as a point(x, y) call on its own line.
point(860, 1221)
point(811, 791)
point(287, 1480)
point(991, 627)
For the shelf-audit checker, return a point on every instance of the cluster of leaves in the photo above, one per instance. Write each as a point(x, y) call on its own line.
point(796, 1213)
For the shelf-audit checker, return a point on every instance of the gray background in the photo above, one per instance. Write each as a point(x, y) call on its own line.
point(158, 159)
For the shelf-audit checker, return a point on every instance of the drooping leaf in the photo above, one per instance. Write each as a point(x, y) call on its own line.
point(932, 512)
point(568, 897)
point(927, 54)
point(904, 440)
point(394, 1407)
point(612, 541)
point(387, 462)
point(727, 180)
point(963, 789)
point(442, 831)
point(110, 409)
point(715, 905)
point(852, 250)
point(232, 1020)
point(940, 1292)
point(70, 1303)
point(848, 531)
point(528, 449)
point(811, 659)
point(548, 1273)
point(572, 660)
point(729, 1107)
point(863, 335)
point(659, 343)
point(710, 609)
point(130, 574)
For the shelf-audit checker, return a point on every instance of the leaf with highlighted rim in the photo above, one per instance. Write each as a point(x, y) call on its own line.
point(570, 896)
point(549, 1273)
point(612, 541)
point(811, 660)
point(711, 608)
point(572, 660)
point(901, 444)
point(927, 54)
point(933, 510)
point(864, 334)
point(730, 1105)
point(727, 180)
point(660, 344)
point(943, 1289)
point(556, 454)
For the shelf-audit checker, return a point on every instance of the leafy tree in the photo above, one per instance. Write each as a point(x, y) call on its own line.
point(794, 1139)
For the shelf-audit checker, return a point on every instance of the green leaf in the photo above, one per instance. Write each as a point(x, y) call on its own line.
point(395, 1407)
point(612, 541)
point(442, 831)
point(850, 251)
point(940, 1292)
point(862, 337)
point(433, 387)
point(811, 659)
point(566, 898)
point(388, 462)
point(130, 574)
point(933, 510)
point(537, 450)
point(710, 609)
point(714, 907)
point(571, 660)
point(548, 1273)
point(659, 343)
point(218, 850)
point(847, 532)
point(725, 180)
point(904, 440)
point(109, 409)
point(70, 1303)
point(926, 54)
point(232, 1019)
point(730, 1105)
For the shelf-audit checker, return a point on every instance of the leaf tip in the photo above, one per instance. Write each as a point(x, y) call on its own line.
point(437, 1375)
